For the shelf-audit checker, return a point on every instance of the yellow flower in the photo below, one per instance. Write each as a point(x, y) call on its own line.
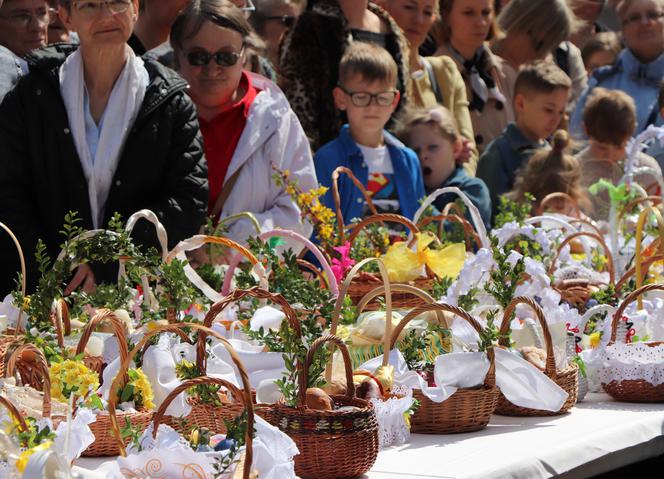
point(595, 339)
point(26, 302)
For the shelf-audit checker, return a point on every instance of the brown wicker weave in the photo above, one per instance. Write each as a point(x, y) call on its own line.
point(116, 423)
point(332, 444)
point(634, 390)
point(96, 363)
point(468, 409)
point(14, 413)
point(247, 404)
point(577, 291)
point(567, 379)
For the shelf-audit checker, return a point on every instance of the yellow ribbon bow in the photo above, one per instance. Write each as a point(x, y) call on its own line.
point(404, 265)
point(24, 458)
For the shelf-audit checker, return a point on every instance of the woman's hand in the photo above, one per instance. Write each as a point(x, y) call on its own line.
point(84, 277)
point(463, 156)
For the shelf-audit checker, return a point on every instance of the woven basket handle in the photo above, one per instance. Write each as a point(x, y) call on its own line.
point(637, 293)
point(13, 412)
point(470, 235)
point(23, 275)
point(348, 367)
point(337, 198)
point(600, 308)
point(150, 216)
point(559, 195)
point(199, 240)
point(647, 200)
point(381, 218)
point(38, 360)
point(598, 239)
point(120, 378)
point(401, 288)
point(228, 219)
point(244, 396)
point(336, 314)
point(61, 321)
point(550, 369)
point(643, 216)
point(472, 209)
point(645, 267)
point(583, 222)
point(322, 259)
point(490, 379)
point(118, 331)
point(235, 296)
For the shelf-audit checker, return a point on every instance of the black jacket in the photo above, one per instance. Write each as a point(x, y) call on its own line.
point(161, 168)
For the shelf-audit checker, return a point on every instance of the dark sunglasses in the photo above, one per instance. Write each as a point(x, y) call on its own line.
point(201, 58)
point(286, 20)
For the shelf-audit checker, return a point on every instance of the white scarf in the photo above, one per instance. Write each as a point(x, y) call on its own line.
point(121, 111)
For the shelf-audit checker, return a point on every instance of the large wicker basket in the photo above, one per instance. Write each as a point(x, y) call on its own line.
point(332, 444)
point(633, 390)
point(468, 409)
point(567, 379)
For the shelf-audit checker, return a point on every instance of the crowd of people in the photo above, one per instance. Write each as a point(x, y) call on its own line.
point(187, 107)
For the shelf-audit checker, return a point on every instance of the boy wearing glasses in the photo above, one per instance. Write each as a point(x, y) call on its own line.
point(389, 171)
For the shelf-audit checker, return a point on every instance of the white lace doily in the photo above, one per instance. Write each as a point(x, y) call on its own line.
point(635, 361)
point(579, 271)
point(392, 427)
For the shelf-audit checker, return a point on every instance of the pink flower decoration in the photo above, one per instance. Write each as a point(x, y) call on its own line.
point(341, 266)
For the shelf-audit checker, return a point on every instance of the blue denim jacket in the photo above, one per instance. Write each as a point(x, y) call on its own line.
point(639, 80)
point(343, 151)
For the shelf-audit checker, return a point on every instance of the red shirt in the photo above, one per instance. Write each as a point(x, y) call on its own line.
point(221, 136)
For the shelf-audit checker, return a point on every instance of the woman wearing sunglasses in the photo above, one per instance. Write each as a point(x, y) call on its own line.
point(96, 130)
point(271, 20)
point(248, 127)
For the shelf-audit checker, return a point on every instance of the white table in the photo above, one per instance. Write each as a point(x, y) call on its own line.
point(597, 436)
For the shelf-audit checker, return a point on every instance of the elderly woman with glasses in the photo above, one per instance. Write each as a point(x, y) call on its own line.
point(248, 126)
point(97, 130)
point(639, 68)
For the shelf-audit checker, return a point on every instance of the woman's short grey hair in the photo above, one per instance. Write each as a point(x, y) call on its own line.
point(548, 22)
point(623, 5)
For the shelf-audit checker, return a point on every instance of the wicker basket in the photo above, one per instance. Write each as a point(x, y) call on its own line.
point(560, 202)
point(9, 339)
point(247, 405)
point(30, 363)
point(633, 390)
point(332, 444)
point(115, 421)
point(567, 379)
point(14, 413)
point(577, 291)
point(468, 409)
point(96, 363)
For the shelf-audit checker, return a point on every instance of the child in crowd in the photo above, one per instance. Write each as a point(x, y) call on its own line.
point(601, 50)
point(609, 121)
point(552, 171)
point(541, 92)
point(389, 171)
point(434, 136)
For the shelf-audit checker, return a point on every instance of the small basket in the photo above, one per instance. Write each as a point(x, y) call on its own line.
point(633, 390)
point(567, 379)
point(468, 409)
point(332, 444)
point(243, 396)
point(577, 291)
point(30, 363)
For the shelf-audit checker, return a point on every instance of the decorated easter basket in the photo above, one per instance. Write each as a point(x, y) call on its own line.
point(468, 409)
point(30, 364)
point(332, 444)
point(633, 372)
point(576, 283)
point(10, 339)
point(567, 379)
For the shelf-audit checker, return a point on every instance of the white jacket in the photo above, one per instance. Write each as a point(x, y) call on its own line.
point(272, 136)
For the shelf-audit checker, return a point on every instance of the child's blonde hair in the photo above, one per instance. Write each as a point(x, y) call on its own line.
point(440, 117)
point(552, 171)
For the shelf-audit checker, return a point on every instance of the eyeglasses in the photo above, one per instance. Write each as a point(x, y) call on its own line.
point(363, 98)
point(201, 58)
point(248, 7)
point(286, 20)
point(92, 8)
point(22, 18)
point(650, 16)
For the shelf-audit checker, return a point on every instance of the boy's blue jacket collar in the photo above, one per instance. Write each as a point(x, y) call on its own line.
point(518, 140)
point(343, 151)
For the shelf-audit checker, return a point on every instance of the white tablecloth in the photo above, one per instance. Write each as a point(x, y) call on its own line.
point(598, 435)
